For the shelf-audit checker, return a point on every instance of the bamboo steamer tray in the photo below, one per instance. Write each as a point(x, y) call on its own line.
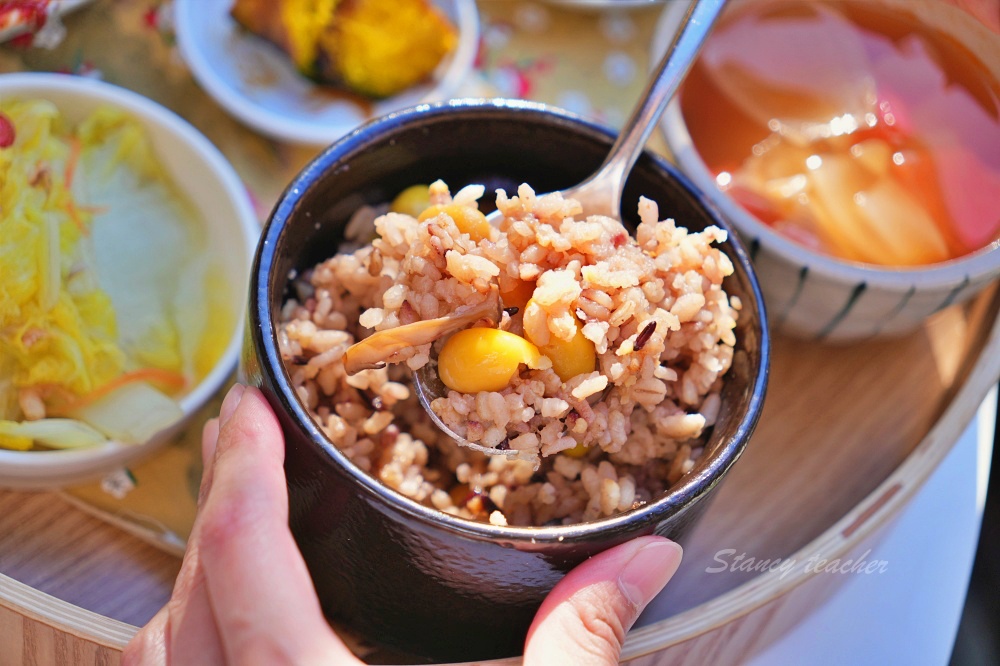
point(848, 435)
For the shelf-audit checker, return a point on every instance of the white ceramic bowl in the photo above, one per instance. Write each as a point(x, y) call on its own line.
point(813, 295)
point(258, 84)
point(201, 172)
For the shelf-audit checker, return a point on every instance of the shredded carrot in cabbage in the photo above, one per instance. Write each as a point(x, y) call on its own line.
point(81, 204)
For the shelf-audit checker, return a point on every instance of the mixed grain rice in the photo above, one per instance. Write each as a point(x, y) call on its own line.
point(596, 445)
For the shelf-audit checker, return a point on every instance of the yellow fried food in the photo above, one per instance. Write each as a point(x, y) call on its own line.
point(374, 47)
point(294, 26)
point(484, 359)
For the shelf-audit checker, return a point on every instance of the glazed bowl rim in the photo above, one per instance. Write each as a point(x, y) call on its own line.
point(673, 502)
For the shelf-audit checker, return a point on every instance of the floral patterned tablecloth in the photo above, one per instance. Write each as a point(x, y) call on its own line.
point(588, 59)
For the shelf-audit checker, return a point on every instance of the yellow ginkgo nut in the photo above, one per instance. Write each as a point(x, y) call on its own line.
point(412, 201)
point(518, 295)
point(468, 219)
point(484, 359)
point(576, 356)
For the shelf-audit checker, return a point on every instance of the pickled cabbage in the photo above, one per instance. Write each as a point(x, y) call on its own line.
point(94, 241)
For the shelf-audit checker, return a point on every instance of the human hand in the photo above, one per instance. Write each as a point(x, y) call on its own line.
point(244, 596)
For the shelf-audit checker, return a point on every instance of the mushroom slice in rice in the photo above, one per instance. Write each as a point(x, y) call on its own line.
point(379, 348)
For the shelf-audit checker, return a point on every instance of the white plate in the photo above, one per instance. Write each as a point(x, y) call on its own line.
point(258, 84)
point(211, 185)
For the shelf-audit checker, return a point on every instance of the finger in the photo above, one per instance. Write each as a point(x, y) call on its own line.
point(260, 590)
point(148, 647)
point(209, 439)
point(584, 619)
point(210, 436)
point(231, 402)
point(193, 635)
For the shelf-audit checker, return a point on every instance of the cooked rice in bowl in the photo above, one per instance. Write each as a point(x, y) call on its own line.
point(568, 445)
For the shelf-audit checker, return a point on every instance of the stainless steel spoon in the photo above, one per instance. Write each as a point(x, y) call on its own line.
point(601, 193)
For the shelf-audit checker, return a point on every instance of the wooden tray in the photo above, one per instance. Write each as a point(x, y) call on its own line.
point(847, 437)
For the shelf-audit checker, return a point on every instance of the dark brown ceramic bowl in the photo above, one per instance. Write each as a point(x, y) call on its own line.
point(401, 574)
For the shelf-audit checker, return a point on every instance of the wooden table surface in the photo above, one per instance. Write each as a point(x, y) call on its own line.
point(54, 547)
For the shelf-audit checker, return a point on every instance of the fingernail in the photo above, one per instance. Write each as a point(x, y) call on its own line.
point(230, 404)
point(648, 571)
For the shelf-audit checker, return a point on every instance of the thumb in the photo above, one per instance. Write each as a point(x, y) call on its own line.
point(584, 619)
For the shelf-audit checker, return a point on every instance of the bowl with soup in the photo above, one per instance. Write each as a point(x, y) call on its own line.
point(856, 148)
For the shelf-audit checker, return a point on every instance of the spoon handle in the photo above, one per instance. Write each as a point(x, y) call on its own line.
point(609, 181)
